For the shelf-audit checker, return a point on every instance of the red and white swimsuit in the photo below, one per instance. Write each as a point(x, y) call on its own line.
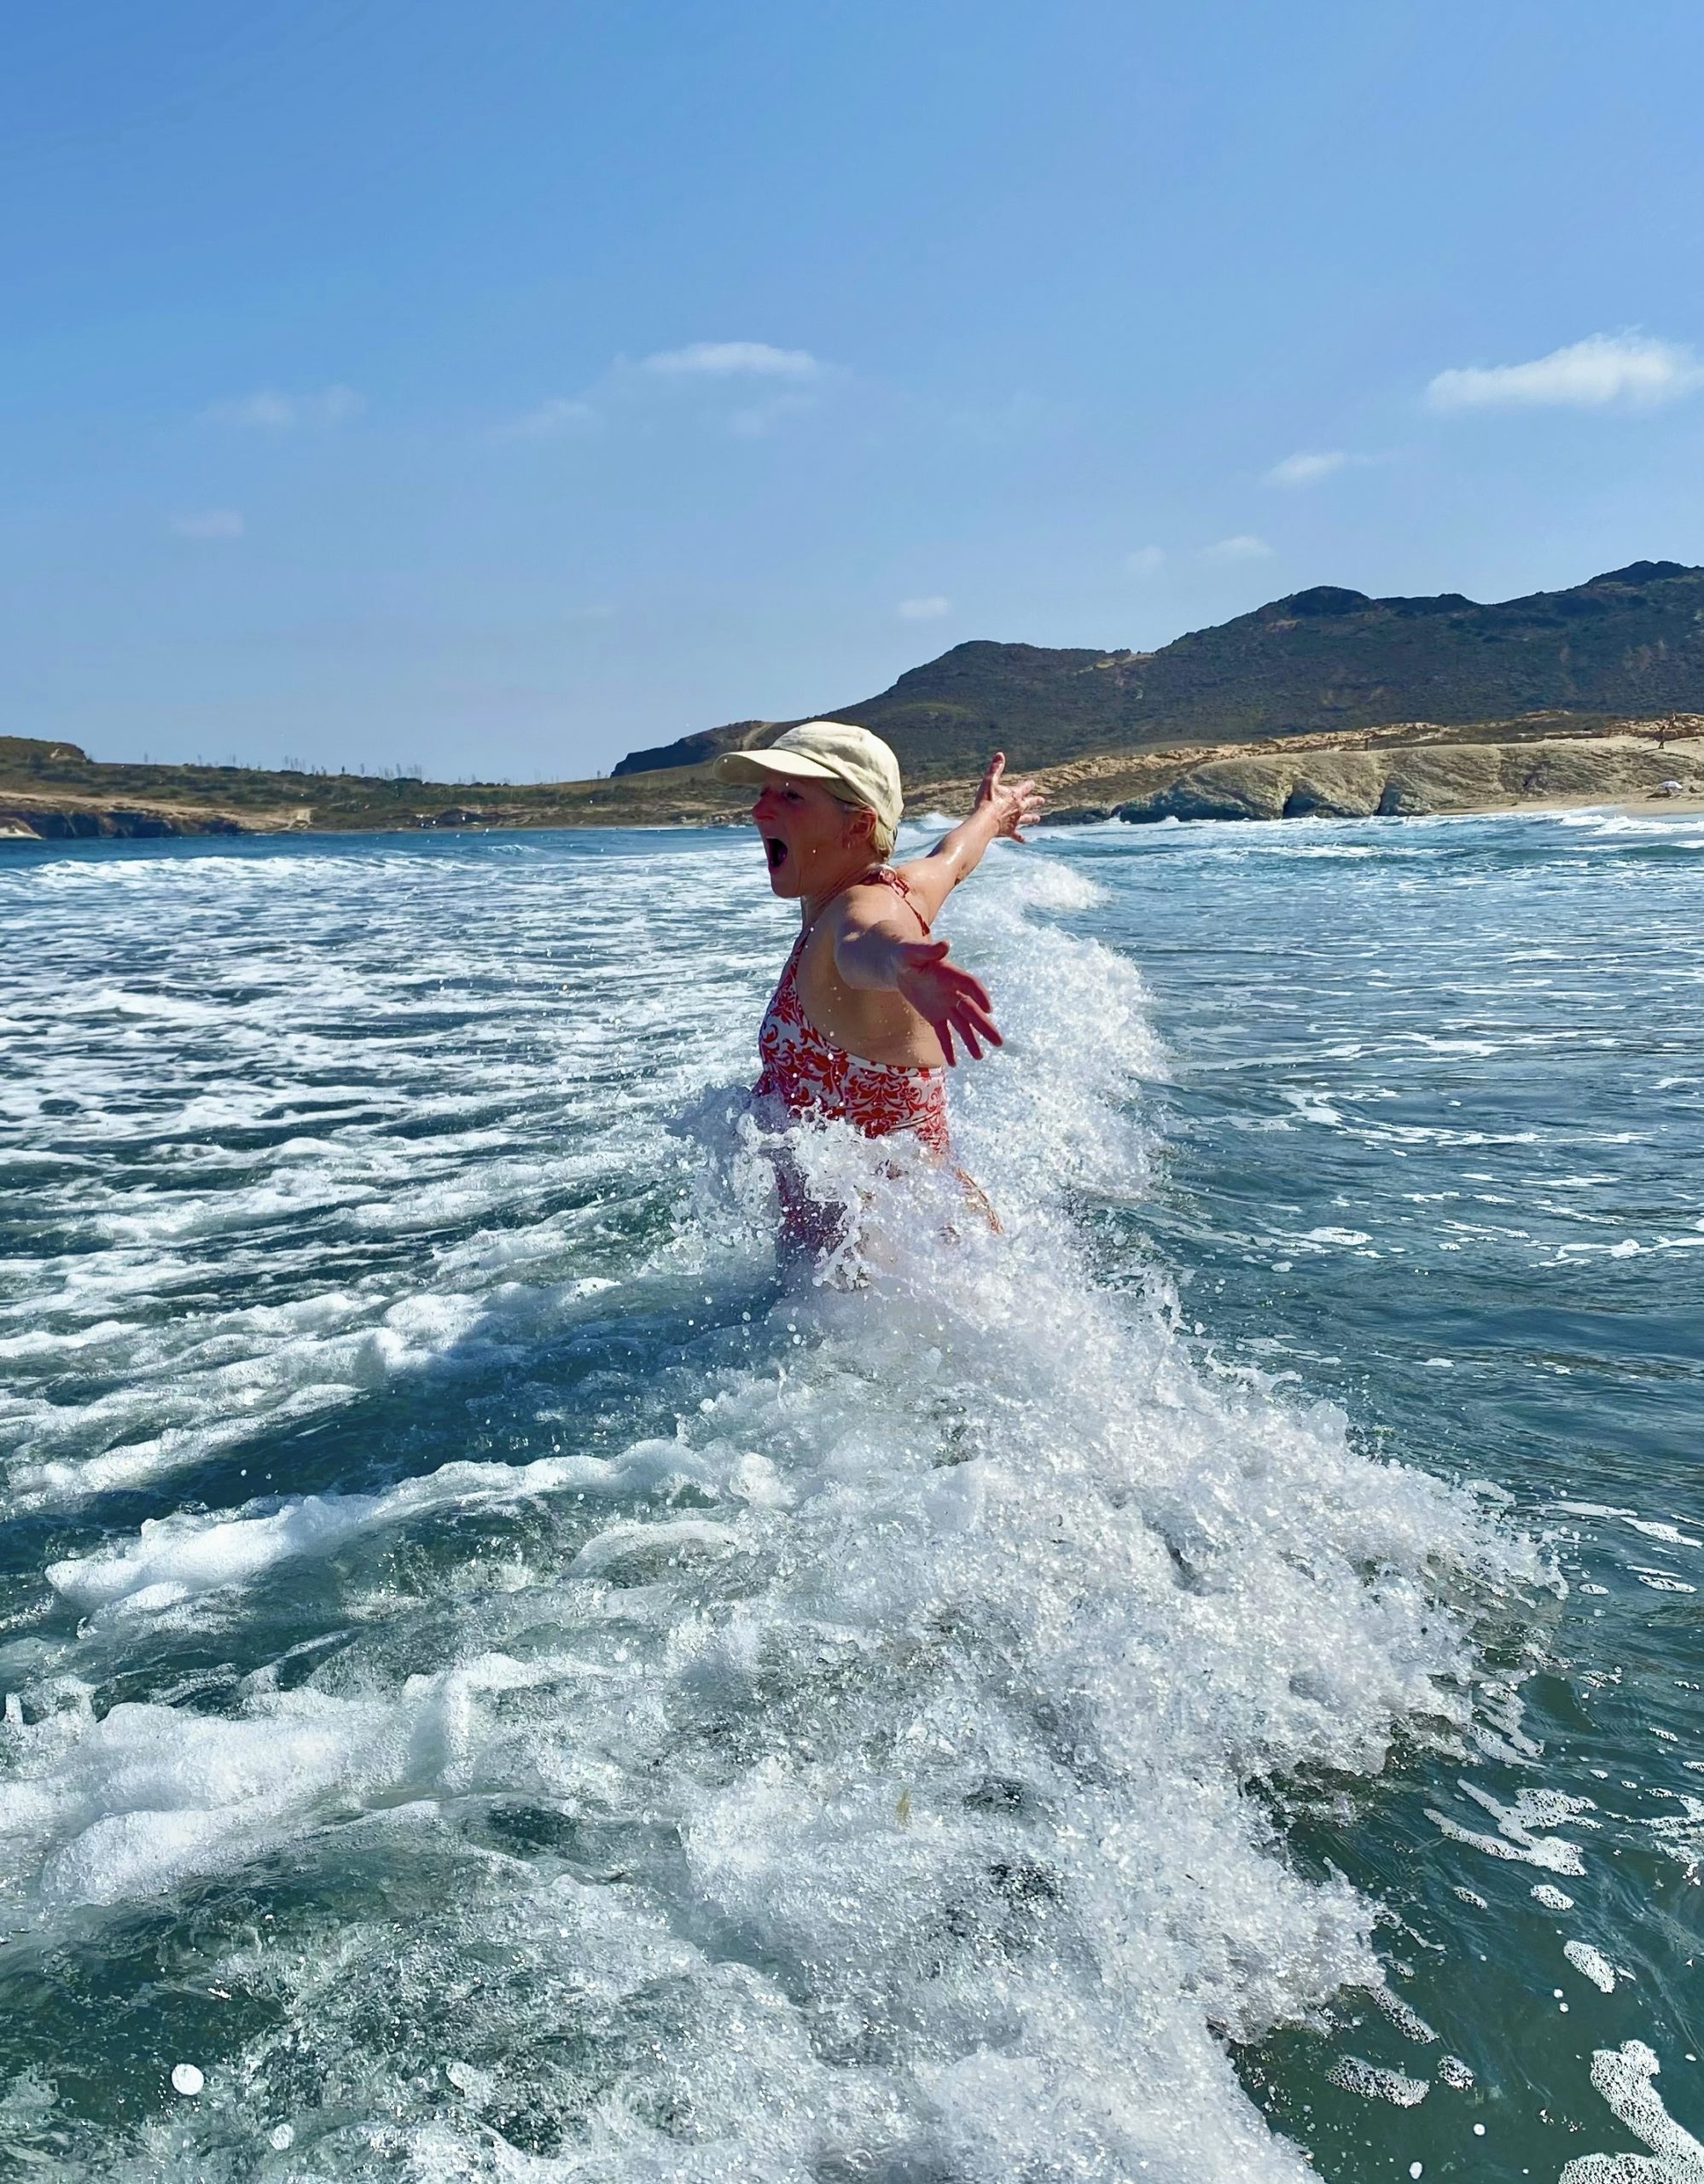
point(810, 1076)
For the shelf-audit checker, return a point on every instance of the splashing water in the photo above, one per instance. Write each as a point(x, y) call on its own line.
point(514, 1691)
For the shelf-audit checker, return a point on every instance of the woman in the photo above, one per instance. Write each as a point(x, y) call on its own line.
point(868, 1010)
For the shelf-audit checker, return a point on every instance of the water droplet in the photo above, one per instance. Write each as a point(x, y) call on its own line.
point(186, 2078)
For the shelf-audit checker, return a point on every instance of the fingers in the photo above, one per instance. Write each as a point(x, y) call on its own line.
point(1021, 807)
point(966, 989)
point(972, 1016)
point(971, 1035)
point(981, 1024)
point(954, 1002)
point(972, 1027)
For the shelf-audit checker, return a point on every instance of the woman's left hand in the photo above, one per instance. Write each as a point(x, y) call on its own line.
point(948, 999)
point(1013, 804)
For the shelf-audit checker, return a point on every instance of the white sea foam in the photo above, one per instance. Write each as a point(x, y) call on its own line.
point(1374, 2083)
point(1626, 2077)
point(921, 1676)
point(177, 1559)
point(1517, 1838)
point(1591, 1964)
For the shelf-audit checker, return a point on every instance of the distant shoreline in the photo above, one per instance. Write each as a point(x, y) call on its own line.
point(1408, 771)
point(1689, 807)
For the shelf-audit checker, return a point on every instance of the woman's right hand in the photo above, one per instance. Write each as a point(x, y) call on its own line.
point(1013, 806)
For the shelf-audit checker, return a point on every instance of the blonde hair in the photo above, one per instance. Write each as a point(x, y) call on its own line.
point(882, 835)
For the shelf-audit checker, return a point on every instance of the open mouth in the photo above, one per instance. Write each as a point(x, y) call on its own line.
point(775, 851)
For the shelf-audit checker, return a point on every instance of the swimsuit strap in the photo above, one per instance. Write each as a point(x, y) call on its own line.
point(881, 876)
point(888, 878)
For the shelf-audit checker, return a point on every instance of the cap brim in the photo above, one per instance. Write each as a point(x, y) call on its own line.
point(760, 766)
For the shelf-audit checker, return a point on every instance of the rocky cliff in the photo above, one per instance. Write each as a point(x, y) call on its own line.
point(1442, 777)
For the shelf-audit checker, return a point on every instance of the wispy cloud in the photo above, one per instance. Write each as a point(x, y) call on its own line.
point(732, 360)
point(928, 609)
point(770, 385)
point(270, 410)
point(758, 419)
point(560, 418)
point(208, 523)
point(1632, 371)
point(1145, 562)
point(1245, 547)
point(1307, 469)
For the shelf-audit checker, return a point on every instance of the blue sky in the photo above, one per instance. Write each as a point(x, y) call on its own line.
point(499, 388)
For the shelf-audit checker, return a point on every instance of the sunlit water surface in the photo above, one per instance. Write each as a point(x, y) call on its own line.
point(1205, 1683)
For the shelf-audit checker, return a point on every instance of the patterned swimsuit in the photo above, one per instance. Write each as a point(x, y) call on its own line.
point(810, 1075)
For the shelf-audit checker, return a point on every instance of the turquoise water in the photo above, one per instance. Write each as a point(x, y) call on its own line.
point(499, 1687)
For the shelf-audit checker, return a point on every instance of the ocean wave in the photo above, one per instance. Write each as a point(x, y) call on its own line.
point(867, 1768)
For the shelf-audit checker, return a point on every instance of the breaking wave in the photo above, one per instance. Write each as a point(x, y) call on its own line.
point(834, 1738)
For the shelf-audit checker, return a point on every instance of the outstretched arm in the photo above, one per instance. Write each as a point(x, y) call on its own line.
point(1000, 809)
point(878, 954)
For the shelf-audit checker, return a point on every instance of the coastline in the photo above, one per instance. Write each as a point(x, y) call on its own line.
point(1690, 806)
point(1396, 774)
point(1687, 806)
point(1410, 771)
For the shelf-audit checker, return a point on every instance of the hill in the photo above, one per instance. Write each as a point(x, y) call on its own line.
point(54, 791)
point(1617, 663)
point(1628, 642)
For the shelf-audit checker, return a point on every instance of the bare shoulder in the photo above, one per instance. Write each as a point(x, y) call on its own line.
point(928, 882)
point(871, 903)
point(916, 900)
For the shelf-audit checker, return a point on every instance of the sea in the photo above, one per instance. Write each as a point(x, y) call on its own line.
point(1204, 1685)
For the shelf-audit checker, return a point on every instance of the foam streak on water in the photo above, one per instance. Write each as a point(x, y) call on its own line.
point(503, 1688)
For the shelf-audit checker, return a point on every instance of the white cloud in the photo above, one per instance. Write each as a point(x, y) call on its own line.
point(929, 609)
point(733, 359)
point(1633, 370)
point(1145, 561)
point(271, 411)
point(1243, 548)
point(208, 523)
point(788, 381)
point(554, 420)
point(1306, 469)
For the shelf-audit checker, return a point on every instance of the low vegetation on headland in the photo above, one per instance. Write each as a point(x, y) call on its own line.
point(1325, 703)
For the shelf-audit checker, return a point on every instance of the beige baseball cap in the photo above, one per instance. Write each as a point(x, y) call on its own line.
point(850, 762)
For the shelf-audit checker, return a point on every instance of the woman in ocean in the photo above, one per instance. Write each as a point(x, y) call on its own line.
point(869, 1012)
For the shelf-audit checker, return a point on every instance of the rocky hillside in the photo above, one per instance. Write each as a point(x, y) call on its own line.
point(1402, 781)
point(54, 791)
point(1327, 701)
point(1629, 642)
